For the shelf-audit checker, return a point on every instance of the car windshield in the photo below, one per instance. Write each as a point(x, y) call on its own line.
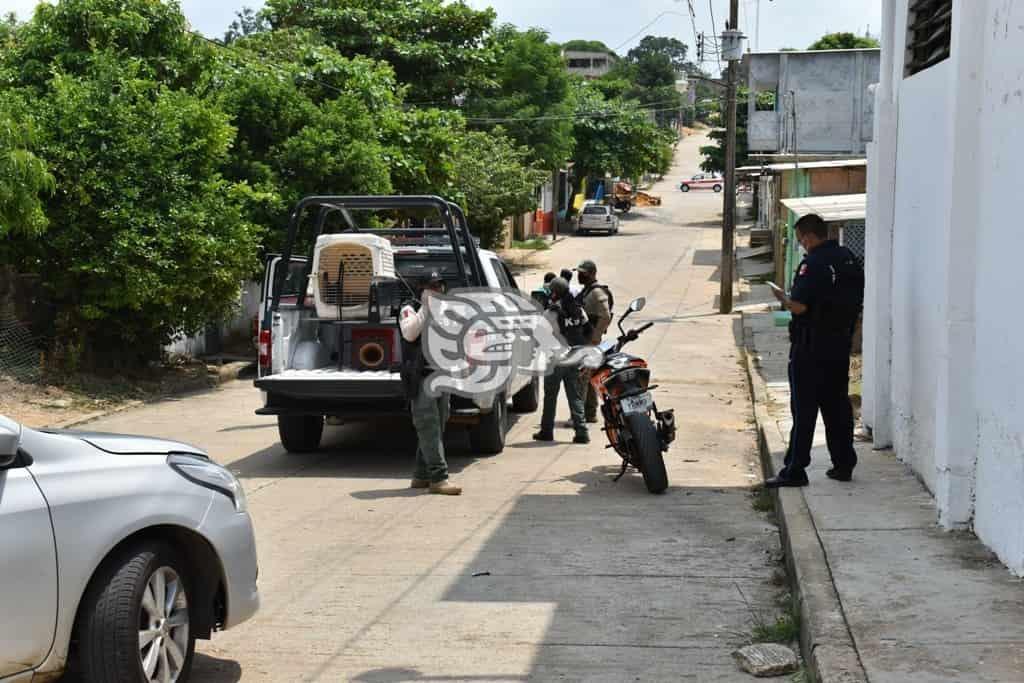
point(594, 210)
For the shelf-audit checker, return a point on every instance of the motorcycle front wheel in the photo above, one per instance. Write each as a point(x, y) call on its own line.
point(647, 450)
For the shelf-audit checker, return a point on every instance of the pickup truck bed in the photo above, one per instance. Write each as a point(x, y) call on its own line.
point(301, 386)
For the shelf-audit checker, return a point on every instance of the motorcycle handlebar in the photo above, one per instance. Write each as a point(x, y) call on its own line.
point(632, 335)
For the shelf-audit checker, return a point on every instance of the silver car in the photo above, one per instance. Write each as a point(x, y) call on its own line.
point(116, 553)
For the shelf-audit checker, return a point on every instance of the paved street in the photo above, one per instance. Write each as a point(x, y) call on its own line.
point(586, 579)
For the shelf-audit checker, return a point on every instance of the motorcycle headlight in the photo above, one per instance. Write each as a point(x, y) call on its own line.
point(211, 475)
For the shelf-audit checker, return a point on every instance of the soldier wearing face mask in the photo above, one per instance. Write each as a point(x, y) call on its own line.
point(429, 414)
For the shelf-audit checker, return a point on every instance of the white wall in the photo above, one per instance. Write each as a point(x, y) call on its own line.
point(998, 369)
point(922, 188)
point(942, 328)
point(248, 306)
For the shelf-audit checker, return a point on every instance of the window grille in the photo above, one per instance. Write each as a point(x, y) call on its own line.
point(929, 25)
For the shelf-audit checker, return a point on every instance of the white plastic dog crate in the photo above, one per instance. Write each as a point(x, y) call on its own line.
point(343, 266)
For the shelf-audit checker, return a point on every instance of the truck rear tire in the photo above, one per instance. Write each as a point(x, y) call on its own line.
point(487, 437)
point(528, 398)
point(300, 433)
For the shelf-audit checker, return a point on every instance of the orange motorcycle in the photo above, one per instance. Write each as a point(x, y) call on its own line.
point(635, 428)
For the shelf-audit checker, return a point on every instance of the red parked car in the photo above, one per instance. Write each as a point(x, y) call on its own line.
point(703, 181)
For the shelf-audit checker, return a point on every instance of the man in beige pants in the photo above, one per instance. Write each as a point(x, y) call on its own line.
point(597, 302)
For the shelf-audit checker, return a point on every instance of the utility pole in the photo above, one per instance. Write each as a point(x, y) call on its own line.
point(729, 200)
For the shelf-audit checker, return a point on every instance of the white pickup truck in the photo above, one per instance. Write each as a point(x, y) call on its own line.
point(330, 346)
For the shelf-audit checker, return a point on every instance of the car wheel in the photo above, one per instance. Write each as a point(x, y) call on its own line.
point(684, 188)
point(134, 625)
point(300, 433)
point(528, 398)
point(717, 188)
point(487, 437)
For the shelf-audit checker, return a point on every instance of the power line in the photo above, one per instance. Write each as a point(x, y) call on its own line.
point(693, 23)
point(646, 26)
point(653, 108)
point(714, 36)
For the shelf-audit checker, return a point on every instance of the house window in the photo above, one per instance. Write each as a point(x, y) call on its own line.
point(579, 63)
point(929, 25)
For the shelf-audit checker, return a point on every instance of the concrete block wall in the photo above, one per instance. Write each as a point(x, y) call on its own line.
point(834, 109)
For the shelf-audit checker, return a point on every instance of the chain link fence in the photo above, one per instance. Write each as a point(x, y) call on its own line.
point(854, 238)
point(20, 357)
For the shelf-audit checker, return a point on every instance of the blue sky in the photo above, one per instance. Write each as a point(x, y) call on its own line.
point(784, 23)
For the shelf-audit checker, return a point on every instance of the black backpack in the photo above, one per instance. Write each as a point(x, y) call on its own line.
point(843, 307)
point(574, 323)
point(598, 285)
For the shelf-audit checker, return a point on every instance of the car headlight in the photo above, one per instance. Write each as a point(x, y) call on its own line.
point(211, 475)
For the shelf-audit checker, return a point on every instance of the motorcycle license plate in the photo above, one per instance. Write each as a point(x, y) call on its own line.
point(637, 404)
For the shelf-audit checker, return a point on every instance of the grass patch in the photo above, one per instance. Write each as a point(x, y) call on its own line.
point(762, 501)
point(536, 244)
point(800, 676)
point(785, 629)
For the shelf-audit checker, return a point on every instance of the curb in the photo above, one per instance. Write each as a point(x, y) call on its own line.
point(825, 640)
point(225, 373)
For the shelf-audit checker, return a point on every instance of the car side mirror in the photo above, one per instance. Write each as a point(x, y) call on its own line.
point(9, 442)
point(637, 305)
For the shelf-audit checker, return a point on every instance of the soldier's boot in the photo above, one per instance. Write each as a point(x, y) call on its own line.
point(444, 488)
point(419, 483)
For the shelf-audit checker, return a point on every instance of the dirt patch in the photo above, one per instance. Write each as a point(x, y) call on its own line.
point(856, 383)
point(59, 402)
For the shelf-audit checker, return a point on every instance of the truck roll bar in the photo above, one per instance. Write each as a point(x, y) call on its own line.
point(452, 217)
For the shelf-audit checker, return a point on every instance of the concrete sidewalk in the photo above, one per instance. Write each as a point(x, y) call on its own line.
point(885, 595)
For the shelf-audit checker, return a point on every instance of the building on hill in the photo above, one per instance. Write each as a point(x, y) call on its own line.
point(588, 63)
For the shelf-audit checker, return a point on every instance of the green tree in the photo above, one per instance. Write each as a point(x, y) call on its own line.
point(493, 180)
point(714, 155)
point(310, 120)
point(64, 38)
point(617, 138)
point(672, 48)
point(529, 96)
point(24, 177)
point(843, 41)
point(247, 22)
point(587, 46)
point(651, 70)
point(146, 239)
point(435, 47)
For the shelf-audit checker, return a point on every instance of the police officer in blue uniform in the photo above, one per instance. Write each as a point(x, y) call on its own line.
point(826, 301)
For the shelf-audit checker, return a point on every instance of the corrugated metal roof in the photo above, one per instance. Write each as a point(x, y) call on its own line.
point(789, 166)
point(831, 208)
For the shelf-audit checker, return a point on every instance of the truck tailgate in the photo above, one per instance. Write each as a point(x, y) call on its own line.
point(331, 383)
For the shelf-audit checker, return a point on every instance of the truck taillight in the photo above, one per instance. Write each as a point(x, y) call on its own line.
point(264, 348)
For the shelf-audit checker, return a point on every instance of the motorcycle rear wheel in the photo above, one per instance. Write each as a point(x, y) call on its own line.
point(647, 450)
